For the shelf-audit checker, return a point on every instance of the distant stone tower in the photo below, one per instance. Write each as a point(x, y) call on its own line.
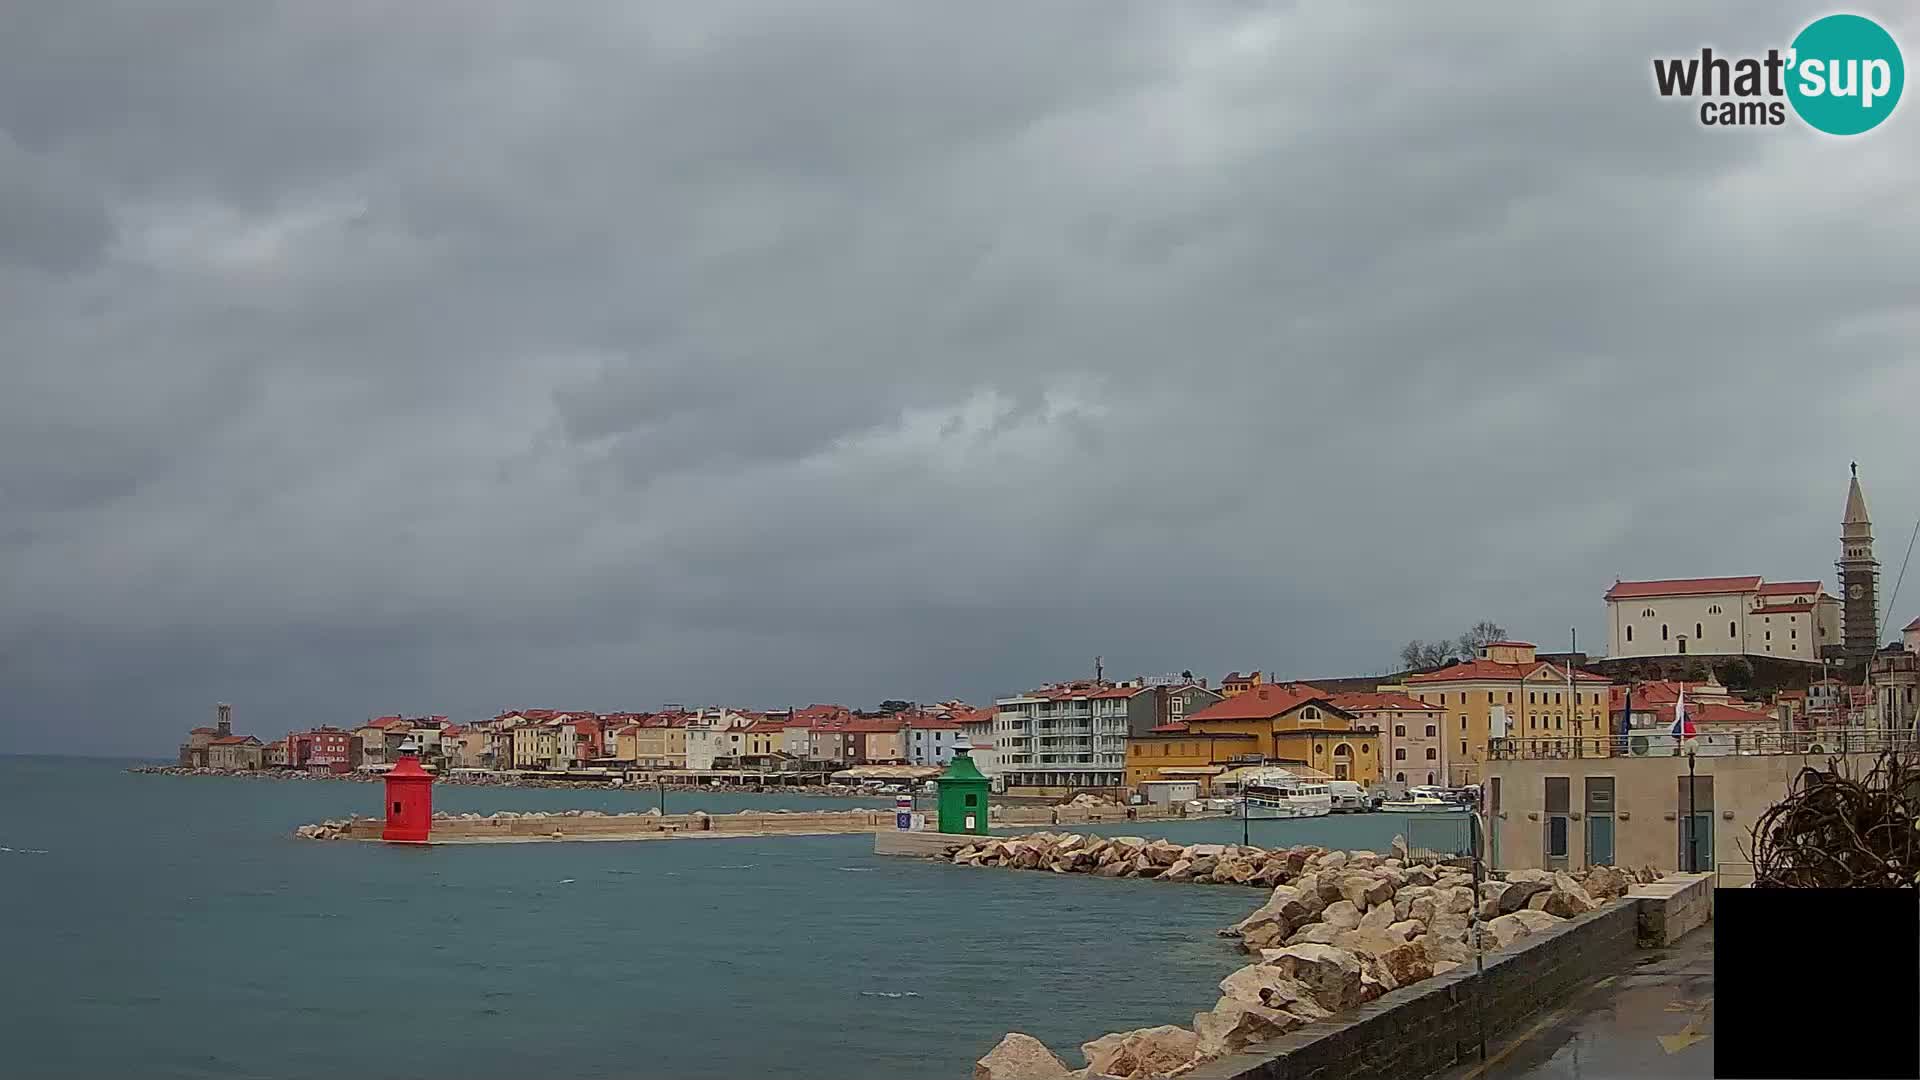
point(1859, 576)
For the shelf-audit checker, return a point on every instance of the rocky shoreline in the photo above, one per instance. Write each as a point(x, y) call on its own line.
point(1338, 929)
point(836, 791)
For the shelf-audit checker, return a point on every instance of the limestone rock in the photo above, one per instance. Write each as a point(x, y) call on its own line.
point(1364, 943)
point(1444, 966)
point(1306, 903)
point(1421, 875)
point(1377, 918)
point(1399, 848)
point(1233, 1025)
point(1459, 900)
point(1264, 985)
point(1147, 1052)
point(1504, 931)
point(1320, 933)
point(1331, 974)
point(1266, 934)
point(1518, 893)
point(1331, 860)
point(1342, 915)
point(1020, 1057)
point(1365, 890)
point(1181, 870)
point(1407, 929)
point(1536, 921)
point(1407, 962)
point(1362, 860)
point(1605, 883)
point(1567, 898)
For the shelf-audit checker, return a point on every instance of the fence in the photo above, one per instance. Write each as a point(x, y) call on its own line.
point(1657, 743)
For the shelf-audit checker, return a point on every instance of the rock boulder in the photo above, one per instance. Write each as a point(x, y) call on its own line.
point(1147, 1052)
point(1020, 1057)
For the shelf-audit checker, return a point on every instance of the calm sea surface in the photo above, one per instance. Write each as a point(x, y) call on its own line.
point(172, 926)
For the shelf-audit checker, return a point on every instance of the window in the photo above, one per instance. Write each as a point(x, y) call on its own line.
point(1714, 610)
point(1489, 697)
point(1463, 697)
point(1432, 730)
point(1509, 697)
point(1647, 614)
point(1463, 723)
point(1556, 699)
point(1769, 635)
point(1730, 629)
point(1532, 698)
point(1309, 713)
point(1399, 753)
point(1400, 777)
point(1399, 731)
point(1629, 633)
point(1663, 631)
point(1794, 635)
point(1463, 748)
point(1697, 632)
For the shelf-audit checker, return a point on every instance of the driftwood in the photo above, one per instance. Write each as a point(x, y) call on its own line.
point(1837, 830)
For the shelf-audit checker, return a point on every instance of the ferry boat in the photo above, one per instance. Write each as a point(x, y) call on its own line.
point(1280, 794)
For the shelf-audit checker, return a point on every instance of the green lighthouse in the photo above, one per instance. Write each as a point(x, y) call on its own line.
point(963, 795)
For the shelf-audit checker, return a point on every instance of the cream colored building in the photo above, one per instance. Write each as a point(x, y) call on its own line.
point(1413, 746)
point(1564, 812)
point(1728, 616)
point(1507, 692)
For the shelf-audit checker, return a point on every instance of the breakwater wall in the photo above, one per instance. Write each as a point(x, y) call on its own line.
point(507, 826)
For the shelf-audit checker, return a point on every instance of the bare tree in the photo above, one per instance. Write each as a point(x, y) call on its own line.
point(1479, 636)
point(1417, 654)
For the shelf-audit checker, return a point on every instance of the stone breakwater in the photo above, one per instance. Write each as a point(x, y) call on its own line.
point(509, 825)
point(506, 780)
point(1337, 930)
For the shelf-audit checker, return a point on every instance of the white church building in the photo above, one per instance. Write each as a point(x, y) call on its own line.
point(1728, 616)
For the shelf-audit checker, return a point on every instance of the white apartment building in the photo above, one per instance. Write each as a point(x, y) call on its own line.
point(1062, 738)
point(1727, 616)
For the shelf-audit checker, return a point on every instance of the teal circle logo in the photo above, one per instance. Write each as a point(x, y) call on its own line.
point(1846, 74)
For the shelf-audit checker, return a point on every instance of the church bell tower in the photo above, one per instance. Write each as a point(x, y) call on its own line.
point(1859, 576)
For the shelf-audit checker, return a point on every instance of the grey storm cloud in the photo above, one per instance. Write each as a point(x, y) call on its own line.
point(454, 357)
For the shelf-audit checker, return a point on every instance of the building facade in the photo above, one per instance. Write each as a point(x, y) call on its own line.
point(1508, 692)
point(1063, 738)
point(1295, 724)
point(930, 739)
point(1731, 616)
point(1414, 748)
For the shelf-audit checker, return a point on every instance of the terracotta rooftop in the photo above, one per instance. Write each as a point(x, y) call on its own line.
point(1263, 702)
point(1789, 588)
point(1470, 670)
point(1628, 590)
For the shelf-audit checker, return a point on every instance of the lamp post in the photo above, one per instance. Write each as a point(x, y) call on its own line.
point(1693, 817)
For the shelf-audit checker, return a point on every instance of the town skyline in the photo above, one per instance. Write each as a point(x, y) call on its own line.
point(397, 387)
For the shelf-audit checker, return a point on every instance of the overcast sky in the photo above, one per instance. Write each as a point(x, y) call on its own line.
point(447, 357)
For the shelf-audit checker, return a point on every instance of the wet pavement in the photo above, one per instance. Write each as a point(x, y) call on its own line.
point(1651, 1021)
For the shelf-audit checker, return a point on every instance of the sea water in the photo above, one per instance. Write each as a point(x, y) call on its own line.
point(173, 926)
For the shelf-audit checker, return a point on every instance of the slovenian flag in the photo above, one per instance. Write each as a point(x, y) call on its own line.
point(1682, 726)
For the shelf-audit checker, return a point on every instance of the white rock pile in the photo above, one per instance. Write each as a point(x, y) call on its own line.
point(1339, 929)
point(324, 830)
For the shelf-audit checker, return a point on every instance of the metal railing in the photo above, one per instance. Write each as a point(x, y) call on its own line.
point(1657, 743)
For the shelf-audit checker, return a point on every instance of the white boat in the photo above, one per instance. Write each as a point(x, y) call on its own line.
point(1348, 797)
point(1280, 794)
point(1420, 802)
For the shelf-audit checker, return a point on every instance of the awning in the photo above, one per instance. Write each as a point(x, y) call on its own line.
point(889, 772)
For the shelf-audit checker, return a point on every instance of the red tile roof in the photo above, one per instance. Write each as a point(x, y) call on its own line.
point(1509, 644)
point(1234, 676)
point(873, 725)
point(766, 727)
point(1627, 590)
point(1263, 702)
point(1392, 700)
point(1169, 728)
point(1785, 588)
point(1471, 670)
point(1911, 627)
point(234, 740)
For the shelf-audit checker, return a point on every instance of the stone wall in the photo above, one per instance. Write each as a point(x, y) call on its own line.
point(1426, 1027)
point(1672, 906)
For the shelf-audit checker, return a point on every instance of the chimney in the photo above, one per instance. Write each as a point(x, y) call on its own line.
point(225, 713)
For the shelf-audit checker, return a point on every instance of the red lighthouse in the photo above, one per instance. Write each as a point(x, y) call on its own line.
point(409, 799)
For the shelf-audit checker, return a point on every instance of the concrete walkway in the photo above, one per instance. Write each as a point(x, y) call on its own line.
point(1652, 1021)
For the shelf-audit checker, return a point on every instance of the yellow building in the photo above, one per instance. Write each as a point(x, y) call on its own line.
point(1296, 724)
point(765, 738)
point(662, 747)
point(1172, 752)
point(1236, 684)
point(1507, 692)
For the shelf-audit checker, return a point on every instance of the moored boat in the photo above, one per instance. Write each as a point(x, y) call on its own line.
point(1280, 794)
